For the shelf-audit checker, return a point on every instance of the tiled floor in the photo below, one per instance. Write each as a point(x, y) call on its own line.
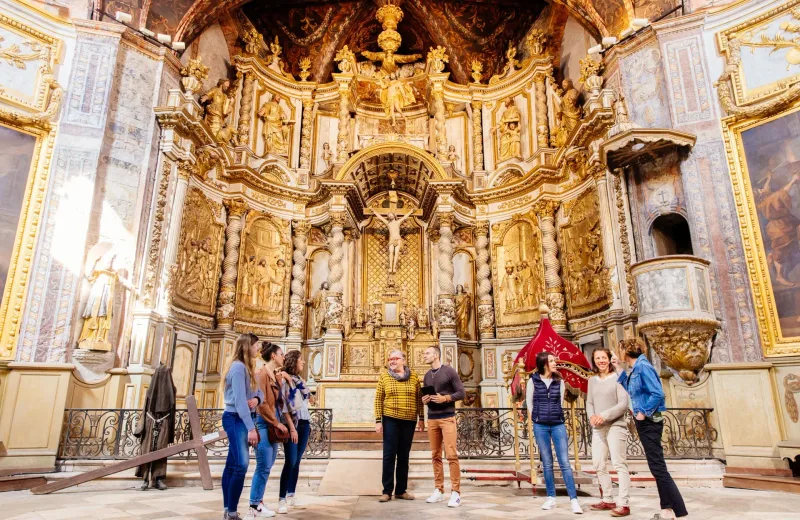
point(112, 499)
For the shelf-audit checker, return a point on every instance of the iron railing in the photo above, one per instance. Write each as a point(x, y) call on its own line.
point(108, 433)
point(489, 433)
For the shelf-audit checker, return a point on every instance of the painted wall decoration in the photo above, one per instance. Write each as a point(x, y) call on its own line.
point(643, 81)
point(264, 271)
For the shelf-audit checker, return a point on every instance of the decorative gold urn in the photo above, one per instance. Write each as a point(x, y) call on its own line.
point(676, 313)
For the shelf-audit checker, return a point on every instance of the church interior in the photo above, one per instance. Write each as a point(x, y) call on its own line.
point(348, 178)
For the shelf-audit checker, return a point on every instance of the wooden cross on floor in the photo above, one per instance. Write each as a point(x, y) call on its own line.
point(197, 443)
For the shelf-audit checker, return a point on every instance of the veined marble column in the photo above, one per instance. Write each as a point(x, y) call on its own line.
point(542, 126)
point(226, 301)
point(446, 300)
point(477, 135)
point(246, 110)
point(297, 301)
point(600, 174)
point(546, 210)
point(485, 303)
point(440, 120)
point(305, 134)
point(336, 271)
point(170, 269)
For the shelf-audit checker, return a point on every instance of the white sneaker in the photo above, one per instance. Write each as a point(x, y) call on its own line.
point(549, 504)
point(261, 512)
point(455, 499)
point(282, 507)
point(436, 496)
point(576, 507)
point(292, 502)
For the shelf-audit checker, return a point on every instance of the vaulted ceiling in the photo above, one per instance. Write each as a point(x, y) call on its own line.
point(467, 29)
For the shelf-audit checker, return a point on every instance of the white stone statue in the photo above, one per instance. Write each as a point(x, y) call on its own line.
point(395, 240)
point(319, 306)
point(97, 313)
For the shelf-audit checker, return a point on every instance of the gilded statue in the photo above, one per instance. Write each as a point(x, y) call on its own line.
point(395, 95)
point(276, 127)
point(422, 318)
point(319, 307)
point(358, 317)
point(509, 126)
point(395, 240)
point(277, 284)
point(510, 66)
point(463, 312)
point(568, 112)
point(369, 326)
point(98, 311)
point(508, 287)
point(411, 324)
point(389, 60)
point(219, 102)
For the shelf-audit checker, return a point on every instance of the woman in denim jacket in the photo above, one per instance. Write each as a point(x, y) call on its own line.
point(647, 395)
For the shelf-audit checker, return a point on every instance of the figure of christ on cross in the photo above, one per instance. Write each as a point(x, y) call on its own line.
point(395, 240)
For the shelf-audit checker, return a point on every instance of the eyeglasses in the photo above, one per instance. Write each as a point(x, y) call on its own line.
point(395, 358)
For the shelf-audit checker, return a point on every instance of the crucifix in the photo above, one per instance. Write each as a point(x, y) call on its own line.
point(393, 218)
point(196, 443)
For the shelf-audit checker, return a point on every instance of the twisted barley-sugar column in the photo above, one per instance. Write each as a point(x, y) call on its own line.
point(246, 109)
point(300, 243)
point(446, 269)
point(236, 209)
point(441, 122)
point(542, 127)
point(336, 260)
point(477, 134)
point(484, 272)
point(554, 287)
point(305, 134)
point(343, 140)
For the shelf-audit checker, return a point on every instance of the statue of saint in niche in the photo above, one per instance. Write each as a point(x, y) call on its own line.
point(219, 105)
point(276, 127)
point(319, 308)
point(98, 311)
point(463, 312)
point(277, 283)
point(395, 240)
point(508, 287)
point(509, 126)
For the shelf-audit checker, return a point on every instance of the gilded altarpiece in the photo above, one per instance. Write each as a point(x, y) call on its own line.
point(264, 271)
point(518, 275)
point(199, 255)
point(582, 261)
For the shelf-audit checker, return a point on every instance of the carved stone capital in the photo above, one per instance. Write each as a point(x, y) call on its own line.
point(546, 208)
point(481, 228)
point(301, 227)
point(446, 219)
point(597, 171)
point(433, 235)
point(235, 207)
point(476, 104)
point(186, 169)
point(338, 218)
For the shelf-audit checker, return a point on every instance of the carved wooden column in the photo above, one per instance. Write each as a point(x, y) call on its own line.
point(542, 125)
point(546, 210)
point(297, 302)
point(170, 269)
point(336, 271)
point(440, 121)
point(343, 139)
point(246, 109)
point(600, 174)
point(485, 303)
point(226, 301)
point(477, 135)
point(446, 301)
point(305, 134)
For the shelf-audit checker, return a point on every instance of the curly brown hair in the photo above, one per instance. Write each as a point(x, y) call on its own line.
point(290, 362)
point(633, 347)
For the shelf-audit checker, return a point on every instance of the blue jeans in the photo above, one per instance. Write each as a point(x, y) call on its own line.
point(265, 457)
point(237, 461)
point(293, 453)
point(558, 433)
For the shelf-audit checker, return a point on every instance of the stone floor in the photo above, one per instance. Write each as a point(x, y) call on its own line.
point(108, 500)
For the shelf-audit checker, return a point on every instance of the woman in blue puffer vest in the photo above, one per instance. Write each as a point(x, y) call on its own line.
point(544, 395)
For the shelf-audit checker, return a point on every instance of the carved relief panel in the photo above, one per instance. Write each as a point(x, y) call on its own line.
point(264, 271)
point(199, 255)
point(517, 272)
point(583, 265)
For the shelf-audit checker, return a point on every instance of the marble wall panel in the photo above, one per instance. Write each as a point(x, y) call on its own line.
point(86, 102)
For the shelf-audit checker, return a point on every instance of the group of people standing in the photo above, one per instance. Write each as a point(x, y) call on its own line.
point(263, 409)
point(612, 393)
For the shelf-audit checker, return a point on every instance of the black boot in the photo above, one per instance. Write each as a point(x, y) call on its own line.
point(160, 484)
point(145, 485)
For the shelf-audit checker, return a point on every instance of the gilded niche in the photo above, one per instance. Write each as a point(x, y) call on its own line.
point(264, 271)
point(585, 278)
point(198, 256)
point(517, 270)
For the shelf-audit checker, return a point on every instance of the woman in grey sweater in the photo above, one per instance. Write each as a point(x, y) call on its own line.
point(606, 404)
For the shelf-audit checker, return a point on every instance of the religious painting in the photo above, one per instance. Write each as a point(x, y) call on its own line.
point(199, 256)
point(517, 271)
point(264, 271)
point(769, 170)
point(16, 156)
point(583, 264)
